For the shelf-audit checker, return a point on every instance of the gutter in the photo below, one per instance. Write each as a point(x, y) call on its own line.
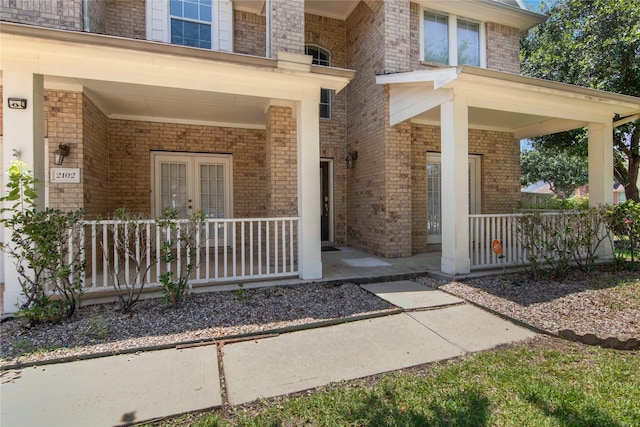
point(147, 46)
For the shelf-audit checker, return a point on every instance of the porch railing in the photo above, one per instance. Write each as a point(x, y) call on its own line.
point(484, 229)
point(224, 250)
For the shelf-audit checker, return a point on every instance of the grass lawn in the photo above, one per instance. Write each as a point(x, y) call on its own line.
point(548, 382)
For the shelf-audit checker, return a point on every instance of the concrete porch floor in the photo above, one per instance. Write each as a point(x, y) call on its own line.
point(349, 263)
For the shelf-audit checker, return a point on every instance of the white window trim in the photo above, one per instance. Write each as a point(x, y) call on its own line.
point(475, 189)
point(453, 38)
point(329, 92)
point(158, 21)
point(195, 159)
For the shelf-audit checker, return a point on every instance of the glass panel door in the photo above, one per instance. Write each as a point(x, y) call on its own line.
point(174, 187)
point(192, 182)
point(434, 194)
point(434, 201)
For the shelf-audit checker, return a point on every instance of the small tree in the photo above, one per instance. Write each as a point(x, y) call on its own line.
point(563, 172)
point(46, 248)
point(178, 249)
point(126, 258)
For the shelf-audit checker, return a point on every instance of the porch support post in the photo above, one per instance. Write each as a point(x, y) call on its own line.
point(601, 171)
point(23, 131)
point(308, 127)
point(454, 122)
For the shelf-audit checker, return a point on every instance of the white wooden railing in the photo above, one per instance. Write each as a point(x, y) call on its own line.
point(224, 250)
point(485, 229)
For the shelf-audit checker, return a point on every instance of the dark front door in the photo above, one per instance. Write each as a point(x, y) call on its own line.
point(324, 201)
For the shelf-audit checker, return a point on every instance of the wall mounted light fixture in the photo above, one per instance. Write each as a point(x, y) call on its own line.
point(350, 159)
point(59, 155)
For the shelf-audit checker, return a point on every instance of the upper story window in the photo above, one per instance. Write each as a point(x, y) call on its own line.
point(321, 57)
point(191, 22)
point(450, 40)
point(206, 24)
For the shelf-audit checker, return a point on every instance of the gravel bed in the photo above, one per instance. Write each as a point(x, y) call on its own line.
point(586, 303)
point(102, 328)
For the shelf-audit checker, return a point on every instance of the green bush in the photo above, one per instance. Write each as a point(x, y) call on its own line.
point(558, 203)
point(183, 239)
point(624, 222)
point(46, 248)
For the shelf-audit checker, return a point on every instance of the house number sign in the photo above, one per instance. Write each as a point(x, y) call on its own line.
point(65, 175)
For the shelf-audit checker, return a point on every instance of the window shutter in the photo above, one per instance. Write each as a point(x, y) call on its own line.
point(158, 21)
point(223, 38)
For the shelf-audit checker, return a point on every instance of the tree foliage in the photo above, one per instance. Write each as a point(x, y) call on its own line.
point(562, 171)
point(596, 44)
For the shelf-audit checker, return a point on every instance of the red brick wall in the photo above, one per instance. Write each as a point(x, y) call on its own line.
point(126, 18)
point(131, 142)
point(287, 26)
point(379, 200)
point(500, 174)
point(281, 162)
point(503, 45)
point(330, 34)
point(63, 125)
point(503, 48)
point(249, 33)
point(65, 15)
point(96, 160)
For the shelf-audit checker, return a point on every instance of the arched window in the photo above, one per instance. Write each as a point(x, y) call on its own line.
point(321, 57)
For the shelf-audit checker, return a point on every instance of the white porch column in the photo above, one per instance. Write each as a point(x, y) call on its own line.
point(23, 130)
point(308, 129)
point(454, 122)
point(601, 171)
point(600, 163)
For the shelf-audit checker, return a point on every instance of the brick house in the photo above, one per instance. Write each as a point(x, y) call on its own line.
point(382, 125)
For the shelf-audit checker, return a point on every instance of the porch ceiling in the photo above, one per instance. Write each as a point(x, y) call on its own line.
point(500, 101)
point(153, 103)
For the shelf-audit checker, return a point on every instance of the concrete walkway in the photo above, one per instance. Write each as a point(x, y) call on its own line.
point(131, 388)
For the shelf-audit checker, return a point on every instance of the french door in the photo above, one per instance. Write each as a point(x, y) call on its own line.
point(434, 194)
point(192, 182)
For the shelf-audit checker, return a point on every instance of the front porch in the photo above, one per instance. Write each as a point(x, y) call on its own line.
point(152, 126)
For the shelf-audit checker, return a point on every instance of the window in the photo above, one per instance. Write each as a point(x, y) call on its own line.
point(450, 40)
point(468, 43)
point(321, 57)
point(191, 22)
point(436, 38)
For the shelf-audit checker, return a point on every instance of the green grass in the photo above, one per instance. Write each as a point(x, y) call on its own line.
point(552, 383)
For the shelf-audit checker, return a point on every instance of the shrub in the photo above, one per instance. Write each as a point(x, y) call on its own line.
point(624, 222)
point(179, 247)
point(561, 239)
point(46, 248)
point(126, 259)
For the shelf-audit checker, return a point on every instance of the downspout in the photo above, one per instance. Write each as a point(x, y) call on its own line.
point(85, 16)
point(267, 7)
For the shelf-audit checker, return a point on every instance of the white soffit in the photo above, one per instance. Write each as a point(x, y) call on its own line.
point(253, 6)
point(162, 104)
point(336, 9)
point(501, 101)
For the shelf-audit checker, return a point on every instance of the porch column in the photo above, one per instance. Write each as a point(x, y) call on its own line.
point(308, 126)
point(23, 131)
point(601, 171)
point(454, 122)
